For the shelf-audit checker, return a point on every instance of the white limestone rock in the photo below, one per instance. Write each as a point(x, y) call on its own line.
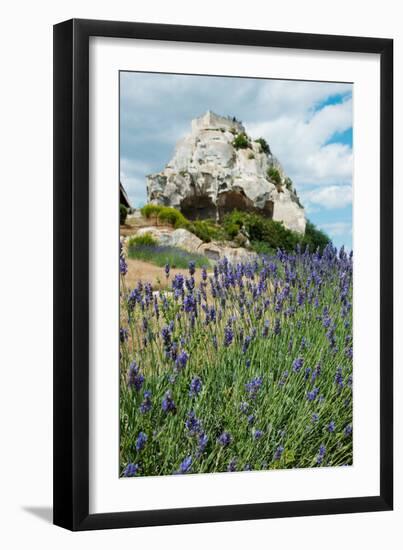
point(208, 176)
point(186, 240)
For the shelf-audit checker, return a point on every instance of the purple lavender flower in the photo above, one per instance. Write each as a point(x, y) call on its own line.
point(251, 419)
point(141, 441)
point(297, 364)
point(339, 377)
point(331, 426)
point(315, 417)
point(146, 403)
point(131, 470)
point(202, 442)
point(192, 267)
point(193, 424)
point(224, 439)
point(312, 395)
point(189, 303)
point(167, 269)
point(168, 404)
point(134, 378)
point(244, 407)
point(257, 434)
point(321, 454)
point(254, 386)
point(122, 265)
point(185, 466)
point(278, 453)
point(246, 344)
point(228, 336)
point(178, 282)
point(190, 283)
point(195, 386)
point(232, 465)
point(348, 430)
point(181, 360)
point(277, 327)
point(166, 337)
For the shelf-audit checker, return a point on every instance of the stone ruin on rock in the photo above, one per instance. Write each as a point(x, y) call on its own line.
point(218, 168)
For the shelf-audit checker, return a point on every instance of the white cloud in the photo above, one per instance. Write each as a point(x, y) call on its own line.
point(329, 197)
point(336, 229)
point(300, 143)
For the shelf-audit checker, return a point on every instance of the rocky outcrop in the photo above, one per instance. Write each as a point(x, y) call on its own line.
point(182, 238)
point(218, 168)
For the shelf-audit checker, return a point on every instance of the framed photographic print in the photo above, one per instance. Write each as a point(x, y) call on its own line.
point(223, 215)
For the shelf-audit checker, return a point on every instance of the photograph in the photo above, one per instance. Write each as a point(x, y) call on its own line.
point(236, 274)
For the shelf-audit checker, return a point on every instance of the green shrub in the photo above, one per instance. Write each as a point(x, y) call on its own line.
point(251, 156)
point(274, 175)
point(165, 214)
point(240, 141)
point(314, 238)
point(264, 145)
point(262, 247)
point(146, 239)
point(123, 211)
point(150, 210)
point(207, 230)
point(172, 216)
point(260, 229)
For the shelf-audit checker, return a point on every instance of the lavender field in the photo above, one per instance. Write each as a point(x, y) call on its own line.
point(248, 369)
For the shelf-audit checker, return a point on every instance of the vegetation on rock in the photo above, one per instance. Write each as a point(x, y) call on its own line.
point(264, 145)
point(274, 175)
point(241, 141)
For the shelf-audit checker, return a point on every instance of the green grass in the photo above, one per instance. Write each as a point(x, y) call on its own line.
point(146, 239)
point(162, 255)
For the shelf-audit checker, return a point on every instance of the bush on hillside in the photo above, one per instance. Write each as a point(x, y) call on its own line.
point(206, 230)
point(314, 238)
point(264, 145)
point(274, 175)
point(266, 234)
point(165, 214)
point(241, 141)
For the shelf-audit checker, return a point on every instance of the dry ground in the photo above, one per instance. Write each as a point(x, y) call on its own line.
point(138, 270)
point(145, 272)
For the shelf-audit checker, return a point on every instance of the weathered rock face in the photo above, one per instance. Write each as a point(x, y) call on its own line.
point(210, 176)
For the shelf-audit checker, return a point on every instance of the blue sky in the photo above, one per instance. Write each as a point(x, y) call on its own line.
point(307, 124)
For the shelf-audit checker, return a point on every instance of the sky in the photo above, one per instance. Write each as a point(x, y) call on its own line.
point(308, 126)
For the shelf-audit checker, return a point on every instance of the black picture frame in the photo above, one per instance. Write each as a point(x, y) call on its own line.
point(71, 274)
